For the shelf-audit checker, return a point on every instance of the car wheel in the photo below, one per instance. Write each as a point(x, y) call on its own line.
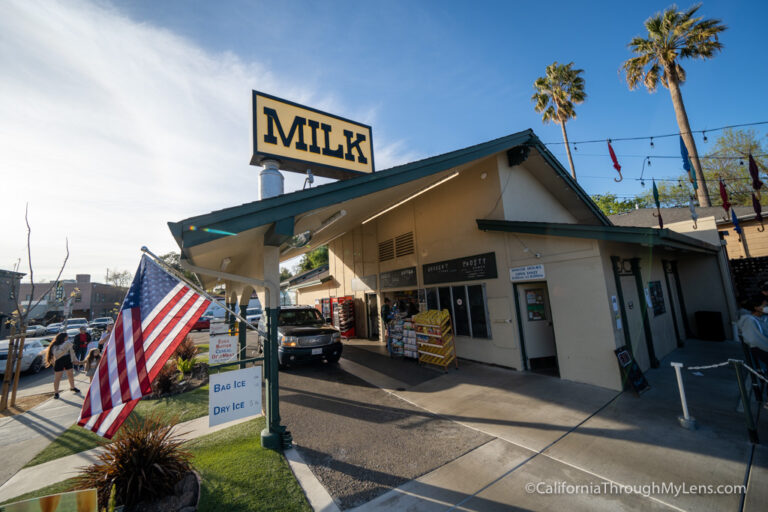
point(36, 365)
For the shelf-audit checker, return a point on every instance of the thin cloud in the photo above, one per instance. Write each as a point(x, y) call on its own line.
point(109, 128)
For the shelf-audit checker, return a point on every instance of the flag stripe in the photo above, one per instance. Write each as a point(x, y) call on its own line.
point(144, 384)
point(161, 310)
point(121, 340)
point(169, 326)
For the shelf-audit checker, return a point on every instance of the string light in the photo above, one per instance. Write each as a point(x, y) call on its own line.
point(677, 134)
point(705, 136)
point(651, 145)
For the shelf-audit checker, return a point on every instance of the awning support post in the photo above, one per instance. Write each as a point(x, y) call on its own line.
point(275, 436)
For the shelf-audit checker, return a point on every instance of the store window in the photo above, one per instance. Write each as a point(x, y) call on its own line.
point(467, 306)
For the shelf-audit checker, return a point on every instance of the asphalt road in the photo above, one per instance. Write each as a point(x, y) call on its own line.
point(359, 440)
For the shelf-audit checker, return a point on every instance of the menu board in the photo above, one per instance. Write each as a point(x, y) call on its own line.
point(469, 268)
point(402, 278)
point(657, 298)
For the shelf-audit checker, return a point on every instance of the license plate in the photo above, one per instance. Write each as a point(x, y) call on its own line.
point(316, 351)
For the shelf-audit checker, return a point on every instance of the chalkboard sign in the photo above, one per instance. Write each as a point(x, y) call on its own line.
point(630, 371)
point(402, 278)
point(470, 268)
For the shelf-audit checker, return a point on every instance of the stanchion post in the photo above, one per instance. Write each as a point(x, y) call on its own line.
point(686, 421)
point(751, 429)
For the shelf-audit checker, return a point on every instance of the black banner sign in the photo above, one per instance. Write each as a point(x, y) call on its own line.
point(402, 278)
point(470, 268)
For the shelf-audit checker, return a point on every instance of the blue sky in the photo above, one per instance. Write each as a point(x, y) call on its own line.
point(117, 117)
point(444, 75)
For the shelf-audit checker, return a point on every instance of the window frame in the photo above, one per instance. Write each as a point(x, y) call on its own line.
point(449, 307)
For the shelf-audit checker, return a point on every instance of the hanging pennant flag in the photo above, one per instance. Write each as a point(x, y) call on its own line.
point(758, 212)
point(684, 154)
point(687, 164)
point(615, 162)
point(694, 215)
point(724, 196)
point(755, 173)
point(658, 205)
point(736, 226)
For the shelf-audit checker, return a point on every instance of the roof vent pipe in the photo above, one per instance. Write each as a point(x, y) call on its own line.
point(270, 180)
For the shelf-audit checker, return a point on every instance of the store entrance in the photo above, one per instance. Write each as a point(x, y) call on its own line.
point(535, 317)
point(372, 313)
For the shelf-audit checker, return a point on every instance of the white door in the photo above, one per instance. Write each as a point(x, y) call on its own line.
point(635, 321)
point(536, 317)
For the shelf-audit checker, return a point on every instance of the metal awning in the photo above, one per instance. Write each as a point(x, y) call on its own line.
point(633, 235)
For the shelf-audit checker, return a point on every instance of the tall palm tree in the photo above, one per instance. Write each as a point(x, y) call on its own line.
point(555, 95)
point(672, 36)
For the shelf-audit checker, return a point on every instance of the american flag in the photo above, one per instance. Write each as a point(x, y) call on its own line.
point(157, 313)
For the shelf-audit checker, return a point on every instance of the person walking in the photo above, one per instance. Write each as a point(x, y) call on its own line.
point(92, 362)
point(753, 331)
point(61, 356)
point(81, 341)
point(105, 337)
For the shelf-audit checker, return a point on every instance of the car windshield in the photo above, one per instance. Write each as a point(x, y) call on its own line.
point(300, 317)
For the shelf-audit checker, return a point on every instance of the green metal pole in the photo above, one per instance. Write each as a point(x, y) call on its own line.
point(751, 429)
point(275, 436)
point(241, 334)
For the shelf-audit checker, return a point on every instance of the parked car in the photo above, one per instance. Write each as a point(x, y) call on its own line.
point(203, 323)
point(32, 359)
point(253, 315)
point(36, 330)
point(74, 323)
point(101, 323)
point(303, 335)
point(53, 328)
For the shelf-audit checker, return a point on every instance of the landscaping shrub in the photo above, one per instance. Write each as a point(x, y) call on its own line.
point(185, 366)
point(163, 383)
point(186, 350)
point(143, 464)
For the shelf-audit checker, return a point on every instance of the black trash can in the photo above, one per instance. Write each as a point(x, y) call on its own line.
point(709, 326)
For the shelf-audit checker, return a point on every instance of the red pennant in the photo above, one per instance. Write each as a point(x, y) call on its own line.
point(724, 196)
point(613, 157)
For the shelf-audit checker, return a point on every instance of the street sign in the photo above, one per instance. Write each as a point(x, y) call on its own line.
point(234, 395)
point(527, 273)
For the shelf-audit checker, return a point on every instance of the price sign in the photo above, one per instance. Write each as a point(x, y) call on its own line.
point(234, 395)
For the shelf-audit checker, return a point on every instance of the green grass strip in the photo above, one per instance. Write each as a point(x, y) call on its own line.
point(238, 474)
point(186, 406)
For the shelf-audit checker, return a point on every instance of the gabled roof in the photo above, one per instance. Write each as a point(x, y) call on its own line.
point(624, 234)
point(260, 213)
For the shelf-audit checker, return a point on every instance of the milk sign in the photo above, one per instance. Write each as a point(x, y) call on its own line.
point(234, 395)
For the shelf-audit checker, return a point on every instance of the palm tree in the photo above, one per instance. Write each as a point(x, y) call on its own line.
point(555, 95)
point(674, 35)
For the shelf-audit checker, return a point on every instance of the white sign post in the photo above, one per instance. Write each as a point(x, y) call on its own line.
point(234, 395)
point(528, 273)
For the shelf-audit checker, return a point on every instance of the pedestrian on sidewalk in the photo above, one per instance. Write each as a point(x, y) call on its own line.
point(753, 330)
point(61, 356)
point(92, 362)
point(81, 341)
point(105, 336)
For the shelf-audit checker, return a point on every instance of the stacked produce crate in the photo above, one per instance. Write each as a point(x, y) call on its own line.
point(434, 335)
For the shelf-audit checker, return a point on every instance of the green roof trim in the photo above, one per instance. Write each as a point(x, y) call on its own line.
point(623, 234)
point(258, 213)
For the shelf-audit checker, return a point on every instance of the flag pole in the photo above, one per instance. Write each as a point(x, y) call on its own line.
point(199, 290)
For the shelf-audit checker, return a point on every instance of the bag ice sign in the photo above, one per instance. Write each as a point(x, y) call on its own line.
point(234, 395)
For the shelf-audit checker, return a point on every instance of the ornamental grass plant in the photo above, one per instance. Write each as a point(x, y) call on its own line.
point(143, 464)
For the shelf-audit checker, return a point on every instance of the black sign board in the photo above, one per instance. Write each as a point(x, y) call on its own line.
point(470, 268)
point(402, 278)
point(630, 371)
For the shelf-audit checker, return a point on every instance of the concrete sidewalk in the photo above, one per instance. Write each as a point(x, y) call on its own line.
point(558, 432)
point(35, 477)
point(22, 436)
